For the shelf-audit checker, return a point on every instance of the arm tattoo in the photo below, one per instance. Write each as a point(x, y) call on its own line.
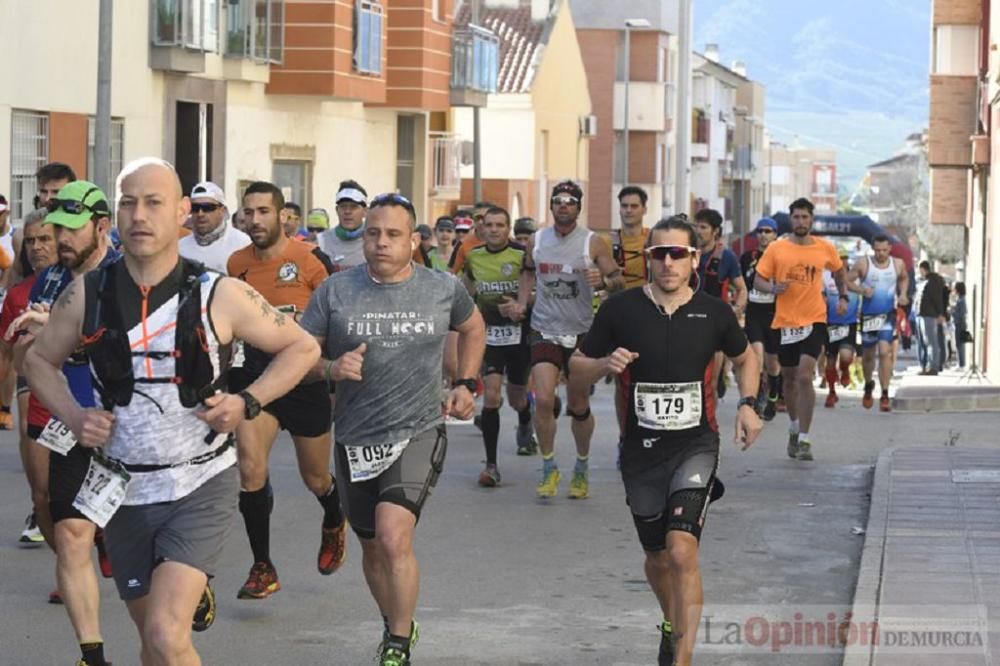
point(266, 309)
point(66, 298)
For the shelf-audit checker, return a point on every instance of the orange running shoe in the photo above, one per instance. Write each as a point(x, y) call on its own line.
point(332, 549)
point(884, 405)
point(261, 583)
point(831, 400)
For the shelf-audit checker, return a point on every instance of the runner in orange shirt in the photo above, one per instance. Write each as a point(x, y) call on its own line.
point(792, 268)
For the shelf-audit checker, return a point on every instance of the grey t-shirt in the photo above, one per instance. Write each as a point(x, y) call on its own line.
point(404, 326)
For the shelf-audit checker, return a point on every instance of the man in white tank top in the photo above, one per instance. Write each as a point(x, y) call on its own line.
point(566, 262)
point(168, 511)
point(213, 238)
point(884, 284)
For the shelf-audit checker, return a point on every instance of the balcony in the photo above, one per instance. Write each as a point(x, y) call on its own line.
point(255, 30)
point(647, 106)
point(446, 164)
point(475, 61)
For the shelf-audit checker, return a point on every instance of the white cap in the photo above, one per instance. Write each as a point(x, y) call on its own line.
point(351, 194)
point(209, 190)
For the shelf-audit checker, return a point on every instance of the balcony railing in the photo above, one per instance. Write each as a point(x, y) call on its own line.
point(190, 24)
point(475, 59)
point(446, 152)
point(255, 29)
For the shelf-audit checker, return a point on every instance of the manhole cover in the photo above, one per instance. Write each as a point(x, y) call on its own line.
point(975, 476)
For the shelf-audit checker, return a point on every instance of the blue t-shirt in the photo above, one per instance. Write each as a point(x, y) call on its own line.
point(832, 297)
point(50, 284)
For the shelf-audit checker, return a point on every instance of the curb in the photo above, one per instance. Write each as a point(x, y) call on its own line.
point(868, 590)
point(978, 398)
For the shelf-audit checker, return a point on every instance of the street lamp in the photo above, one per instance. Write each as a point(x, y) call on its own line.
point(629, 24)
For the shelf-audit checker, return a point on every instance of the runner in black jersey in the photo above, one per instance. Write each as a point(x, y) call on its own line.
point(662, 339)
point(757, 323)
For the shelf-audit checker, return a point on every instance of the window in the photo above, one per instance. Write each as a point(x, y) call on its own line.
point(29, 150)
point(255, 29)
point(368, 19)
point(192, 24)
point(117, 144)
point(294, 179)
point(475, 59)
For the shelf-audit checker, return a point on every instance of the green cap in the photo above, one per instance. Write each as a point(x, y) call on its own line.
point(76, 204)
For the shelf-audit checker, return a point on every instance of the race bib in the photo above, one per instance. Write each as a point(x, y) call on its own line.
point(564, 341)
point(873, 323)
point(56, 436)
point(675, 406)
point(103, 490)
point(503, 336)
point(838, 333)
point(789, 336)
point(761, 297)
point(367, 462)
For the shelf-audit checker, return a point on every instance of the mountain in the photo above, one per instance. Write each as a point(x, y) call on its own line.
point(848, 74)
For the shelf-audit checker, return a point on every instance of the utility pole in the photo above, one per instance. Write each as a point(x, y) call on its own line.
point(477, 137)
point(102, 119)
point(683, 184)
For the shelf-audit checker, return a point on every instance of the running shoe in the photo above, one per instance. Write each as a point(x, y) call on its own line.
point(204, 614)
point(332, 549)
point(770, 409)
point(868, 400)
point(793, 445)
point(805, 451)
point(884, 405)
point(6, 419)
point(31, 535)
point(261, 583)
point(549, 485)
point(102, 554)
point(382, 649)
point(527, 443)
point(831, 400)
point(394, 657)
point(85, 663)
point(666, 655)
point(55, 597)
point(579, 486)
point(845, 376)
point(489, 477)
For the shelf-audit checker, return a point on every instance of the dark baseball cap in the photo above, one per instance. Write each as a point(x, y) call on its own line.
point(425, 232)
point(445, 223)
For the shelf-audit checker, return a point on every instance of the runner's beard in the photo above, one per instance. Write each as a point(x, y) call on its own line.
point(81, 257)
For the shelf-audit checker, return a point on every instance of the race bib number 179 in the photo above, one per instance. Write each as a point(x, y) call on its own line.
point(675, 406)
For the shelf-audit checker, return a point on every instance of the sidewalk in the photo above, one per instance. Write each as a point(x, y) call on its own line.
point(954, 390)
point(930, 566)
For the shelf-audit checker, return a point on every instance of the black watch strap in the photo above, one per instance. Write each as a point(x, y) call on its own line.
point(749, 401)
point(468, 383)
point(252, 405)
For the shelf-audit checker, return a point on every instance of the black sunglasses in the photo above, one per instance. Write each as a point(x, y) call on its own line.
point(74, 207)
point(675, 252)
point(205, 207)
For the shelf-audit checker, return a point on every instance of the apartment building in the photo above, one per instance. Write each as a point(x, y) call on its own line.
point(653, 108)
point(797, 171)
point(303, 93)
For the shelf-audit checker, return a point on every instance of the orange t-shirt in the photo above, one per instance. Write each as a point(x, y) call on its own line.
point(286, 281)
point(458, 259)
point(801, 266)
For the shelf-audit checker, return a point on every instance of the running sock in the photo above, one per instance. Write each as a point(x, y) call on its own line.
point(666, 627)
point(773, 386)
point(330, 501)
point(869, 386)
point(549, 462)
point(582, 465)
point(831, 376)
point(490, 422)
point(93, 654)
point(401, 643)
point(793, 426)
point(524, 415)
point(256, 507)
point(804, 438)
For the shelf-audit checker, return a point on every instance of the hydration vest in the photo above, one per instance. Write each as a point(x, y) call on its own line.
point(710, 282)
point(107, 344)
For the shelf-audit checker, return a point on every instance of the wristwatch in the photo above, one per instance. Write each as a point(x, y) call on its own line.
point(252, 406)
point(749, 401)
point(467, 383)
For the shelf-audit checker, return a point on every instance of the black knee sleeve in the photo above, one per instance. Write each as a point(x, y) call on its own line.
point(652, 531)
point(686, 510)
point(582, 416)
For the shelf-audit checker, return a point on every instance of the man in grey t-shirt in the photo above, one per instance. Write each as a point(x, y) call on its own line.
point(382, 328)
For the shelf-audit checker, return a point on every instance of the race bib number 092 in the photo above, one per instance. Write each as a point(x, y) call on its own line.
point(675, 406)
point(103, 490)
point(367, 462)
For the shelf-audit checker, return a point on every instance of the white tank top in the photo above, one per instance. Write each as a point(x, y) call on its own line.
point(155, 428)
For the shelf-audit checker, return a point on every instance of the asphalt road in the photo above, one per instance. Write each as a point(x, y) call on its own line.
point(509, 580)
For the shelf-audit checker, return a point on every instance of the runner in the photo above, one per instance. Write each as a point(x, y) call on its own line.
point(444, 230)
point(567, 262)
point(841, 333)
point(8, 378)
point(759, 315)
point(344, 244)
point(491, 275)
point(384, 325)
point(718, 272)
point(291, 220)
point(627, 243)
point(39, 246)
point(524, 230)
point(213, 239)
point(661, 340)
point(469, 241)
point(317, 221)
point(81, 216)
point(463, 225)
point(171, 487)
point(792, 269)
point(884, 284)
point(285, 273)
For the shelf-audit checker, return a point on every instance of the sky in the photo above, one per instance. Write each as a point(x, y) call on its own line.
point(846, 74)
